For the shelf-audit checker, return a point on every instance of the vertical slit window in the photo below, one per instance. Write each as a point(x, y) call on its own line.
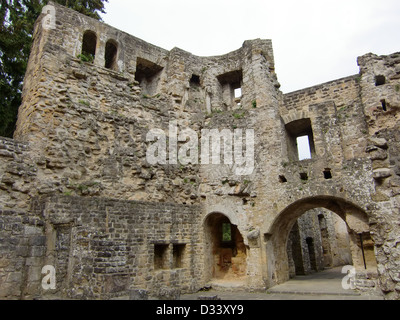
point(384, 105)
point(178, 252)
point(226, 232)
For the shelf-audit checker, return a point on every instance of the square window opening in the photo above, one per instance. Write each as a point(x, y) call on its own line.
point(148, 74)
point(195, 80)
point(304, 176)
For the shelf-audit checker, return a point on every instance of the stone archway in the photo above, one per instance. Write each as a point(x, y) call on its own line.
point(319, 240)
point(276, 238)
point(225, 251)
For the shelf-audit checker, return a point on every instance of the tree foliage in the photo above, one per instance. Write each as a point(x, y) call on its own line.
point(17, 21)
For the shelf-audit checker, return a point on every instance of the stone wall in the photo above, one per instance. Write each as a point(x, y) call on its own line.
point(380, 82)
point(103, 248)
point(23, 246)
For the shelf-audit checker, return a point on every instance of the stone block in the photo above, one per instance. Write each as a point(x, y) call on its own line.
point(381, 173)
point(168, 294)
point(209, 298)
point(138, 294)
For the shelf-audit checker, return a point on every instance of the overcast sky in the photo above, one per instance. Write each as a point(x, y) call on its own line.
point(314, 41)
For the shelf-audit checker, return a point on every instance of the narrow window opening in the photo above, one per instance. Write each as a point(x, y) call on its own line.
point(238, 93)
point(304, 176)
point(282, 179)
point(327, 174)
point(384, 105)
point(89, 44)
point(238, 96)
point(226, 232)
point(303, 148)
point(322, 221)
point(111, 55)
point(178, 252)
point(311, 253)
point(380, 80)
point(160, 256)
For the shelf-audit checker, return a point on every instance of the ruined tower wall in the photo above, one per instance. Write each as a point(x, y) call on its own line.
point(380, 83)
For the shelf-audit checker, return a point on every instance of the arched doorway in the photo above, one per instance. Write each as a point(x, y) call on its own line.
point(225, 251)
point(319, 240)
point(357, 223)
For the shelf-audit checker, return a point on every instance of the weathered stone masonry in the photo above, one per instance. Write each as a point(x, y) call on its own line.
point(77, 192)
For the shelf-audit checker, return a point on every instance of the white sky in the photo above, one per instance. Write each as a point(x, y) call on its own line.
point(314, 40)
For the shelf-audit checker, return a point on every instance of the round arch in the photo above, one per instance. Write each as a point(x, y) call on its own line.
point(111, 54)
point(89, 44)
point(225, 251)
point(276, 238)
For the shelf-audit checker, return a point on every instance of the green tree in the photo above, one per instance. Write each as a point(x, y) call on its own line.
point(16, 29)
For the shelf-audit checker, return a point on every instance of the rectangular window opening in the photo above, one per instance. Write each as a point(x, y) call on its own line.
point(238, 93)
point(195, 80)
point(303, 148)
point(148, 74)
point(300, 140)
point(160, 256)
point(178, 255)
point(231, 88)
point(238, 96)
point(226, 232)
point(380, 80)
point(304, 176)
point(327, 174)
point(384, 105)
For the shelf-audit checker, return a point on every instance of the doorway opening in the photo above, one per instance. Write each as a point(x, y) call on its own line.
point(350, 243)
point(318, 240)
point(226, 256)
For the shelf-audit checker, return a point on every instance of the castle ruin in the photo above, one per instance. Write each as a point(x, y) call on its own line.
point(78, 193)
